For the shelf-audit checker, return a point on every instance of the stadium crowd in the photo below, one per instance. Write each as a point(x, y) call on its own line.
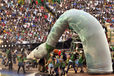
point(30, 22)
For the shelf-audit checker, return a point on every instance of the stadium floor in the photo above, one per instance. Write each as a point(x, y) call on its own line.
point(34, 72)
point(71, 73)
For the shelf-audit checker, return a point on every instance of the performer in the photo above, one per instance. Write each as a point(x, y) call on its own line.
point(90, 31)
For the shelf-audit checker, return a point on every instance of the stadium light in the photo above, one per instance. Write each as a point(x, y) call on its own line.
point(5, 45)
point(9, 45)
point(2, 45)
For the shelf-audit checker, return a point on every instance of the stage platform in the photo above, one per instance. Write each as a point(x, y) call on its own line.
point(71, 73)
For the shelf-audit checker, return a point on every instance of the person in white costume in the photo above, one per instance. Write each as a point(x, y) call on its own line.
point(90, 31)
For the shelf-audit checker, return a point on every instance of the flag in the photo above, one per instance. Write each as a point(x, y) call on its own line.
point(36, 2)
point(42, 0)
point(58, 1)
point(21, 1)
point(39, 1)
point(51, 1)
point(30, 1)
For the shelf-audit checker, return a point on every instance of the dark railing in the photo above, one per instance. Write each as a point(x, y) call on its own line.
point(60, 45)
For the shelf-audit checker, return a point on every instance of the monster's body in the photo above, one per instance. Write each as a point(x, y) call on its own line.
point(92, 35)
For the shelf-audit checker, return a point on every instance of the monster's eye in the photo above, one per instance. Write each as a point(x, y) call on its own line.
point(37, 48)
